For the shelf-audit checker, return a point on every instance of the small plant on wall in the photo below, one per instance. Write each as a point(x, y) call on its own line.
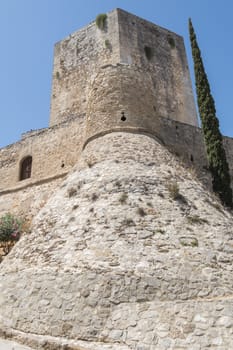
point(107, 44)
point(58, 75)
point(101, 20)
point(10, 231)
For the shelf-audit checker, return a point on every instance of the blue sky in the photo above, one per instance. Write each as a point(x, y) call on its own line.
point(30, 28)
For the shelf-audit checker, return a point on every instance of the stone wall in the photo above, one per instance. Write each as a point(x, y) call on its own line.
point(182, 139)
point(150, 81)
point(54, 152)
point(27, 201)
point(160, 54)
point(57, 149)
point(77, 60)
point(121, 97)
point(114, 259)
point(128, 66)
point(106, 81)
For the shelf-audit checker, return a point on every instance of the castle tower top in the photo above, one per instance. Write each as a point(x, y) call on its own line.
point(128, 68)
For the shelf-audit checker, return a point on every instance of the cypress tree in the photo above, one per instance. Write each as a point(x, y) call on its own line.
point(216, 155)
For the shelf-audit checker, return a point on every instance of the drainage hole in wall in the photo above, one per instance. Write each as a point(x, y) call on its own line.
point(123, 118)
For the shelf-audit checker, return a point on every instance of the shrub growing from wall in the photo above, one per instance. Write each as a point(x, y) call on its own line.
point(101, 20)
point(10, 231)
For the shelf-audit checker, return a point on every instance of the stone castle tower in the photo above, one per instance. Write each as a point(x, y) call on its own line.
point(125, 75)
point(128, 249)
point(130, 75)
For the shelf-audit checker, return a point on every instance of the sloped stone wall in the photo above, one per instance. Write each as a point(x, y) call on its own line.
point(114, 258)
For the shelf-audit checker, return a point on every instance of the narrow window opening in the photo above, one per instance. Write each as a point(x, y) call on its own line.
point(26, 168)
point(149, 52)
point(191, 158)
point(171, 41)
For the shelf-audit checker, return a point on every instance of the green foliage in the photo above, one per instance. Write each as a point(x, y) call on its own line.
point(213, 139)
point(101, 20)
point(195, 219)
point(160, 230)
point(10, 228)
point(173, 189)
point(107, 44)
point(189, 241)
point(123, 198)
point(72, 191)
point(174, 193)
point(128, 222)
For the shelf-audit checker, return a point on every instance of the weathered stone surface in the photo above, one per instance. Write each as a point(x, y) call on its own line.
point(110, 258)
point(93, 84)
point(10, 345)
point(106, 72)
point(130, 250)
point(52, 154)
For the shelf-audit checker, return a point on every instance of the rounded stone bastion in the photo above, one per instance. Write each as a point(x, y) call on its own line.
point(126, 98)
point(121, 98)
point(130, 253)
